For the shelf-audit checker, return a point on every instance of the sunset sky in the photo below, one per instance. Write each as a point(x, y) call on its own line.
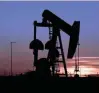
point(16, 24)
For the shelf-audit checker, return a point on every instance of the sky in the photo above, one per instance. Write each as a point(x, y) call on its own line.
point(16, 24)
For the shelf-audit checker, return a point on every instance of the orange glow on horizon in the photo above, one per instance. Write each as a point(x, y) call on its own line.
point(84, 70)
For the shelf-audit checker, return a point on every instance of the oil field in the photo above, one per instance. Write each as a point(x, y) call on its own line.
point(57, 70)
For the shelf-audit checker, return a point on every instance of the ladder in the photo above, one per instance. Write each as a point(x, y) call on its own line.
point(59, 46)
point(77, 61)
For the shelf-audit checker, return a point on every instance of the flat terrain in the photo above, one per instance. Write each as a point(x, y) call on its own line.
point(30, 83)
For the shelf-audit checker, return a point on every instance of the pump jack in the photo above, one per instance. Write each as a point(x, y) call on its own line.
point(50, 20)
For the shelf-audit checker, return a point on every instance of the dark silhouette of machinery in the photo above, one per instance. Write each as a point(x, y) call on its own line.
point(55, 25)
point(76, 70)
point(43, 68)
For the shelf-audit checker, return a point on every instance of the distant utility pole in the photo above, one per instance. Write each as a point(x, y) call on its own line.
point(11, 56)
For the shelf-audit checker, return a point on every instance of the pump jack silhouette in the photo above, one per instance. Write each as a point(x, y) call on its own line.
point(46, 66)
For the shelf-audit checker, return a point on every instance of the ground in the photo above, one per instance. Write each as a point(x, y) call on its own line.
point(29, 83)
